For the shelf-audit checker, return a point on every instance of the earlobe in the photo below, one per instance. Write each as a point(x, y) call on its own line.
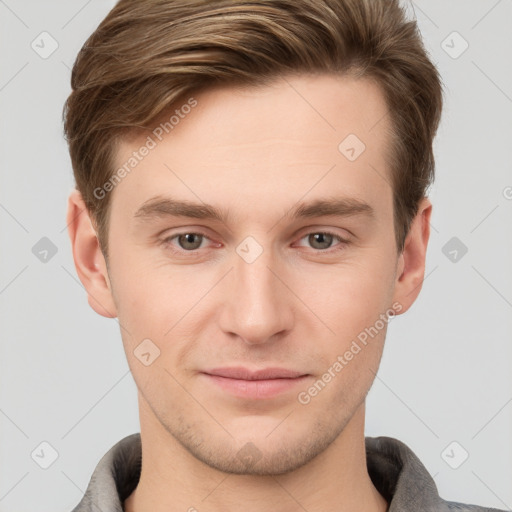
point(411, 263)
point(89, 261)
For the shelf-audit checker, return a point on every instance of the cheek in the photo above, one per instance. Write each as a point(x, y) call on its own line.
point(158, 310)
point(146, 295)
point(350, 297)
point(351, 301)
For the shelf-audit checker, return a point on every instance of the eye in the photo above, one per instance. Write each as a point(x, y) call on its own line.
point(187, 242)
point(323, 240)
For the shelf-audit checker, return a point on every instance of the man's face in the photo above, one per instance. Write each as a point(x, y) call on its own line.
point(262, 288)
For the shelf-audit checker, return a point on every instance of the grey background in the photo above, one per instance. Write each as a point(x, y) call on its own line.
point(446, 370)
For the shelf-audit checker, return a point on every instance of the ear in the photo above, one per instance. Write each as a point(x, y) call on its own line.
point(89, 261)
point(411, 262)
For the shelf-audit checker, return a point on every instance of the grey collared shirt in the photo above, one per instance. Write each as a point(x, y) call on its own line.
point(394, 469)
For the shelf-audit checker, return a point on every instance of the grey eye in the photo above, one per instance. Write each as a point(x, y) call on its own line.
point(320, 240)
point(190, 241)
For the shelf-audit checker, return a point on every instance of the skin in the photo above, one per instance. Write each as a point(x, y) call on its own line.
point(255, 152)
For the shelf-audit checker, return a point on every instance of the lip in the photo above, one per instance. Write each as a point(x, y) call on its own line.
point(239, 372)
point(255, 384)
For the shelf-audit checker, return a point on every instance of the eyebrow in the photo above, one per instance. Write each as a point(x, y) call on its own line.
point(160, 207)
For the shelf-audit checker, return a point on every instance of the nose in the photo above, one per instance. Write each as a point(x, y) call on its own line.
point(258, 305)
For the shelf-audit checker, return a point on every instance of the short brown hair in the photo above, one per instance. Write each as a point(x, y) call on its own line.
point(145, 56)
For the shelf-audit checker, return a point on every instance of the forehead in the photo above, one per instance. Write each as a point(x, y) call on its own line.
point(299, 135)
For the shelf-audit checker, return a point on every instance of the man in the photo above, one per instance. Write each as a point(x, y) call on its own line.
point(290, 144)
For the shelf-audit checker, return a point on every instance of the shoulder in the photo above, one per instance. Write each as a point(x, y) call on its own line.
point(402, 479)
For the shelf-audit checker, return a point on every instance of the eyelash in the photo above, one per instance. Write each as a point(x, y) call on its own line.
point(343, 242)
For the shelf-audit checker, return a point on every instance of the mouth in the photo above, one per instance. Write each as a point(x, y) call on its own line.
point(259, 384)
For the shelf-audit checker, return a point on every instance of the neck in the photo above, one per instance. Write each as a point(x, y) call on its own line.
point(172, 479)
